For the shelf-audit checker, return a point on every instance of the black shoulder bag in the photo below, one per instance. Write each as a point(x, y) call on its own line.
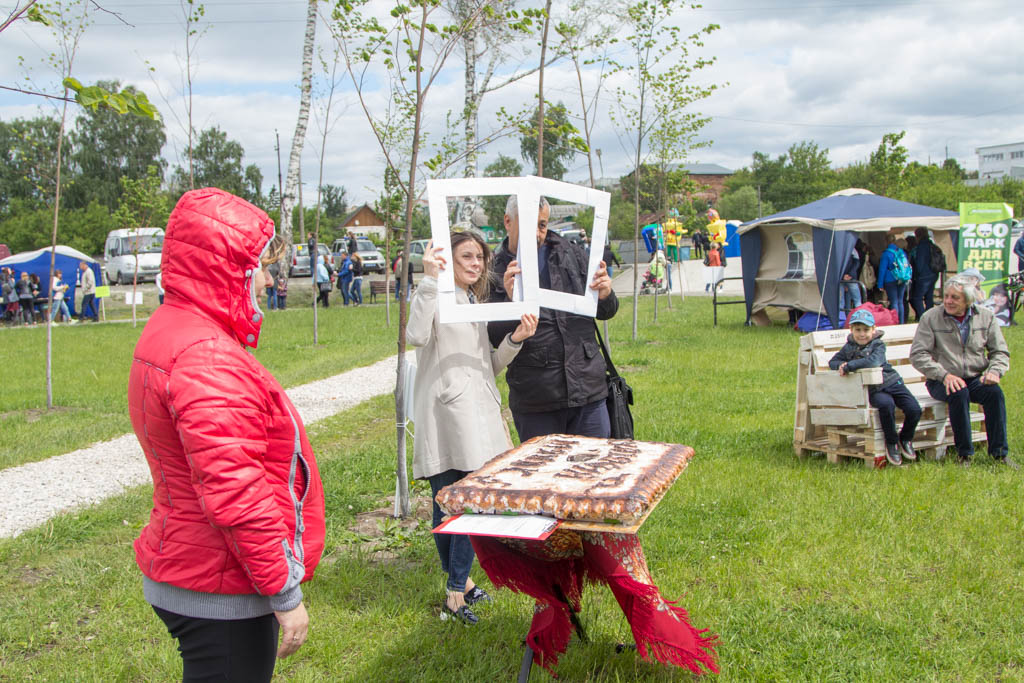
point(620, 396)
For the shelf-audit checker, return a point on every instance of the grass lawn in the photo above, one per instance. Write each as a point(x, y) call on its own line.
point(807, 571)
point(91, 363)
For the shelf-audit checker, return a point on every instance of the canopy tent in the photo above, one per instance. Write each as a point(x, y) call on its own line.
point(795, 258)
point(66, 260)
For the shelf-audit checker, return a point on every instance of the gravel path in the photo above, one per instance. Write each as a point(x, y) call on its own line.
point(35, 492)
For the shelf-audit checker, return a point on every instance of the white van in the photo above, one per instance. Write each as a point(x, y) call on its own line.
point(120, 251)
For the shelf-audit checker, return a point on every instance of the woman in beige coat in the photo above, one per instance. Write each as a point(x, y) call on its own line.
point(456, 402)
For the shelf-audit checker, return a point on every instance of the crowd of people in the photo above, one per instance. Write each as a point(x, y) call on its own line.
point(24, 302)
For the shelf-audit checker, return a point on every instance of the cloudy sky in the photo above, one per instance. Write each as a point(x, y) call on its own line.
point(839, 72)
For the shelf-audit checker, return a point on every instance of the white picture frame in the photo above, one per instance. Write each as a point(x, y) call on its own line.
point(528, 296)
point(586, 303)
point(524, 294)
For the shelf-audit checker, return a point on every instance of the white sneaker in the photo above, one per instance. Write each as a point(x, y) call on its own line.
point(72, 322)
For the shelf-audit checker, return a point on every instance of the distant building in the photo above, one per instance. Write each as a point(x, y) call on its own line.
point(364, 222)
point(1000, 161)
point(710, 178)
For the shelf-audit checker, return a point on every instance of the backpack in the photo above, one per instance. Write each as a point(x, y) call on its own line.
point(900, 267)
point(938, 260)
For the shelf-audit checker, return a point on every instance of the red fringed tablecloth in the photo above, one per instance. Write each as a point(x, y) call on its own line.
point(548, 570)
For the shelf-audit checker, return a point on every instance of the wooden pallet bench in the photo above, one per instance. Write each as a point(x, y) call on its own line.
point(378, 287)
point(834, 417)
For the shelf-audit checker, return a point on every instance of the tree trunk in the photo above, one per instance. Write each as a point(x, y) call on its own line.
point(540, 105)
point(53, 260)
point(471, 102)
point(298, 140)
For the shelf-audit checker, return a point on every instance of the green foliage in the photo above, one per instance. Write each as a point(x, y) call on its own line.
point(216, 162)
point(887, 164)
point(333, 201)
point(127, 101)
point(28, 163)
point(742, 205)
point(25, 229)
point(562, 140)
point(106, 147)
point(621, 217)
point(658, 187)
point(142, 205)
point(494, 205)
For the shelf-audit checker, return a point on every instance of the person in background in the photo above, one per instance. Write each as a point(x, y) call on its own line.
point(922, 295)
point(399, 280)
point(457, 403)
point(237, 523)
point(323, 281)
point(850, 284)
point(88, 293)
point(282, 292)
point(345, 277)
point(889, 280)
point(352, 245)
point(38, 301)
point(557, 384)
point(8, 295)
point(1018, 249)
point(59, 288)
point(357, 279)
point(23, 288)
point(609, 257)
point(864, 348)
point(960, 350)
point(273, 271)
point(160, 285)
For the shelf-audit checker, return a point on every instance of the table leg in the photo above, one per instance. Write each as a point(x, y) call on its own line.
point(526, 666)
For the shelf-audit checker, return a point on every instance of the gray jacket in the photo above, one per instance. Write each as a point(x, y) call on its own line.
point(937, 349)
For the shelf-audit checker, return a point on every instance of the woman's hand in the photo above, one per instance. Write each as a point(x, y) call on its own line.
point(433, 262)
point(294, 629)
point(508, 280)
point(526, 329)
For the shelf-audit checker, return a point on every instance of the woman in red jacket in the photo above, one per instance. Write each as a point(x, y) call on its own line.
point(238, 508)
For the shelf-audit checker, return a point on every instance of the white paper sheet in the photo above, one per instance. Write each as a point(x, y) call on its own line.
point(509, 526)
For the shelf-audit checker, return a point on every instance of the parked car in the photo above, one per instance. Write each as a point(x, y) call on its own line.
point(126, 246)
point(571, 233)
point(373, 260)
point(416, 250)
point(300, 259)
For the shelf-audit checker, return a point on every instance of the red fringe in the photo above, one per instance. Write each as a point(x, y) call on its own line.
point(660, 629)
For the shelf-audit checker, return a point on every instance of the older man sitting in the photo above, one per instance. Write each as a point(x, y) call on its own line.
point(960, 350)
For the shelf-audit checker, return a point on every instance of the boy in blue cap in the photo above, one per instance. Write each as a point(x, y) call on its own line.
point(864, 348)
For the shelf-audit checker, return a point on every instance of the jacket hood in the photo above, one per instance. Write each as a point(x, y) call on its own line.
point(211, 254)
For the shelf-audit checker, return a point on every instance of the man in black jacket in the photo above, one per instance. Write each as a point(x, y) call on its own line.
point(557, 381)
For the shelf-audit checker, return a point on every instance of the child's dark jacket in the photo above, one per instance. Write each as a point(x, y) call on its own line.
point(871, 355)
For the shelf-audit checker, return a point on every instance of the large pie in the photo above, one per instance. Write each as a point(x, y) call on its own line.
point(571, 478)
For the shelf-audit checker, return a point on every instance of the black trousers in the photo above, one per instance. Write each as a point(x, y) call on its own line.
point(240, 650)
point(887, 400)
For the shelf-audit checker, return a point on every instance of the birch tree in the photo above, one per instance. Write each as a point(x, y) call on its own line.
point(656, 85)
point(288, 194)
point(410, 50)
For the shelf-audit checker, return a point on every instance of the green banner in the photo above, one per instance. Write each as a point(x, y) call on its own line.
point(985, 242)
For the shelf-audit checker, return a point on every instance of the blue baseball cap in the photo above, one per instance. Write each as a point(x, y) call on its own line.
point(863, 317)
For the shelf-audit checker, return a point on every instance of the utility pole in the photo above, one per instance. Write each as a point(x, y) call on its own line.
point(280, 182)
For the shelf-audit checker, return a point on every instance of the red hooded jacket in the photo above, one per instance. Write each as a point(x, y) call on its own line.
point(238, 506)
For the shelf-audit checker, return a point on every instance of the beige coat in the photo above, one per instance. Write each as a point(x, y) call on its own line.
point(937, 348)
point(456, 402)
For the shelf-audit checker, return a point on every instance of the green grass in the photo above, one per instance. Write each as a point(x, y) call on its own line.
point(807, 571)
point(91, 364)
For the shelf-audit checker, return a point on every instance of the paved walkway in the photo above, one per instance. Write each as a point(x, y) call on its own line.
point(35, 492)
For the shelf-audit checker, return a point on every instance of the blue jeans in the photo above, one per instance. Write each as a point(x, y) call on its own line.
point(589, 420)
point(887, 400)
point(345, 284)
point(896, 291)
point(992, 401)
point(851, 294)
point(271, 298)
point(922, 297)
point(58, 304)
point(455, 551)
point(357, 290)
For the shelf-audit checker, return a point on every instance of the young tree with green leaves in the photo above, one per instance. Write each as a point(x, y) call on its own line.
point(887, 164)
point(658, 84)
point(562, 141)
point(410, 51)
point(142, 205)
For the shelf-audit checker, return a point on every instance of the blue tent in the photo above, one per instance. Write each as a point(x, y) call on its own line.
point(780, 252)
point(38, 262)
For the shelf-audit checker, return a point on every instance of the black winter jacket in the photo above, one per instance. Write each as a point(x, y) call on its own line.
point(560, 366)
point(871, 355)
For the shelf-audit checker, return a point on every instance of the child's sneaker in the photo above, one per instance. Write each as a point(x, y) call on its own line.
point(907, 450)
point(892, 454)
